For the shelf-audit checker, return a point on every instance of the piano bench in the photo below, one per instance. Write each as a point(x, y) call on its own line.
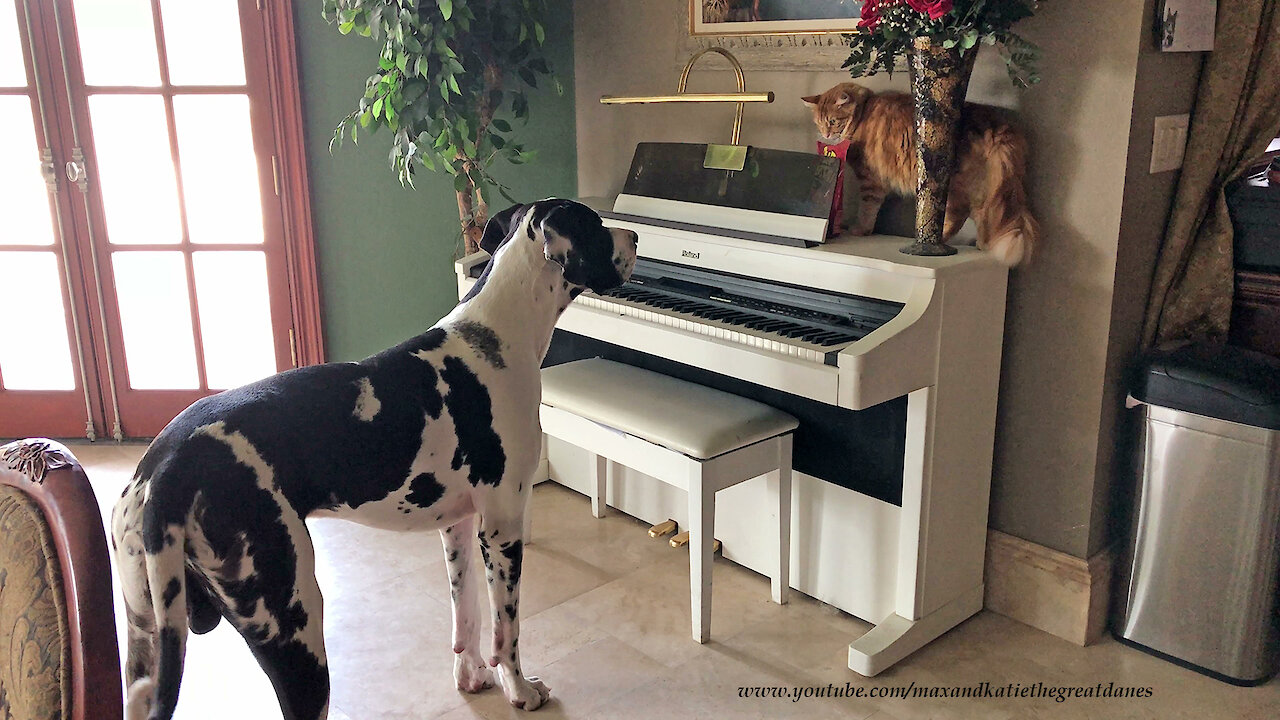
point(692, 437)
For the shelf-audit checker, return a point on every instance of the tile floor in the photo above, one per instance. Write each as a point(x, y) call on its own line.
point(606, 625)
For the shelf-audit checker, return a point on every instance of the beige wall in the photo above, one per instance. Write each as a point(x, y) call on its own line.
point(1165, 85)
point(1051, 479)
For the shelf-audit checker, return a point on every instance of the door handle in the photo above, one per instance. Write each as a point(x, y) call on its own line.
point(76, 171)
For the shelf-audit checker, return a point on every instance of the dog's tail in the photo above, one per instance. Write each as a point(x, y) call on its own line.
point(1006, 228)
point(153, 577)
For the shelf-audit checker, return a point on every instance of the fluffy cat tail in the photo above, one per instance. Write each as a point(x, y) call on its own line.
point(1006, 228)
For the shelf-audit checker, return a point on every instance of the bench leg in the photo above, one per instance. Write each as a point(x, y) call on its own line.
point(599, 483)
point(782, 577)
point(702, 521)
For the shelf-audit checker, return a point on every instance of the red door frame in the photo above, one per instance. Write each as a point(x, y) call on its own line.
point(271, 75)
point(57, 413)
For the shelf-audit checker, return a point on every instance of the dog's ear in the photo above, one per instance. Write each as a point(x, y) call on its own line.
point(499, 228)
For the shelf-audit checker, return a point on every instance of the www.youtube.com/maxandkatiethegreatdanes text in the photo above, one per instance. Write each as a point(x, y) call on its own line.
point(982, 690)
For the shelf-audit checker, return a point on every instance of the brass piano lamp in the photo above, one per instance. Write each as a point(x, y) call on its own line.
point(738, 98)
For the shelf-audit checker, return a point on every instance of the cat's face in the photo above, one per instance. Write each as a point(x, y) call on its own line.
point(836, 112)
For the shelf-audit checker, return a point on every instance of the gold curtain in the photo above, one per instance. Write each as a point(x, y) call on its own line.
point(1237, 113)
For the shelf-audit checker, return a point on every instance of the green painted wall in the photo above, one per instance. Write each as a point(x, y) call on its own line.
point(386, 253)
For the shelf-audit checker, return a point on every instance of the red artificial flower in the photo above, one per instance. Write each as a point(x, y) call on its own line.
point(870, 15)
point(933, 8)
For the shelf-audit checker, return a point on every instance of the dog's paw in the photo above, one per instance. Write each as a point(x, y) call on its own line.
point(524, 693)
point(471, 672)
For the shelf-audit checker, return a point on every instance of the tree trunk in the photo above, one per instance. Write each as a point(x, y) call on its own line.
point(473, 211)
point(473, 215)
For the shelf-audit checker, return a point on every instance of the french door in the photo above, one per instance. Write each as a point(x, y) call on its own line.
point(145, 246)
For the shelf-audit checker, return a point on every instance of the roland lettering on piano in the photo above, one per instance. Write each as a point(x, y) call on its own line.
point(891, 363)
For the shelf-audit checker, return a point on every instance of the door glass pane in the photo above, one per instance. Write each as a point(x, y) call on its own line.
point(219, 168)
point(35, 353)
point(117, 42)
point(155, 318)
point(202, 42)
point(135, 169)
point(235, 317)
point(24, 198)
point(12, 72)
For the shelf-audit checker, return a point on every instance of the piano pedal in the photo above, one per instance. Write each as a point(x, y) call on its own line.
point(666, 527)
point(682, 539)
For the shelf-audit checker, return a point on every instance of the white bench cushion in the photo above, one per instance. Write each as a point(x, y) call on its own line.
point(691, 419)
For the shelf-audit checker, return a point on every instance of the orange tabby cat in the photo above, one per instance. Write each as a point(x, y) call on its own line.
point(990, 164)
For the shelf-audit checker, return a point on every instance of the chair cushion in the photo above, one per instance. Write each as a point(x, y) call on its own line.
point(688, 418)
point(35, 674)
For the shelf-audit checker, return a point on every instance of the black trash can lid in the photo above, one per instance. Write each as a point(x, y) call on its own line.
point(1217, 381)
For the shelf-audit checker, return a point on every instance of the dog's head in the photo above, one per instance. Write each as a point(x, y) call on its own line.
point(572, 235)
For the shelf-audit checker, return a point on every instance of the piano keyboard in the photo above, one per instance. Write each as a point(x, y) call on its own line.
point(801, 323)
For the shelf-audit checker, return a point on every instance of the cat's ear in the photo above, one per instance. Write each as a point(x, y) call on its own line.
point(810, 100)
point(843, 100)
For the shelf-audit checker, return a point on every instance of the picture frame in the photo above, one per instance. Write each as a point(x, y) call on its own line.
point(719, 18)
point(1185, 25)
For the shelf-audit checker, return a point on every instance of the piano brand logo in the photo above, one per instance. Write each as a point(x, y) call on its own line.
point(690, 254)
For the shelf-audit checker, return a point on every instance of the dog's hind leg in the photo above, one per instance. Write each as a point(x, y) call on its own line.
point(288, 643)
point(274, 601)
point(469, 668)
point(502, 545)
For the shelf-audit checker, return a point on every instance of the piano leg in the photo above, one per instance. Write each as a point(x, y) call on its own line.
point(942, 525)
point(782, 574)
point(896, 637)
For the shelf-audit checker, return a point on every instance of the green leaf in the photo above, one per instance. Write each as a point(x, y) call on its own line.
point(453, 83)
point(377, 107)
point(502, 125)
point(345, 28)
point(446, 8)
point(539, 32)
point(460, 182)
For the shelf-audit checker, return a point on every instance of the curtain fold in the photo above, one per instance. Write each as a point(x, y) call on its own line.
point(1237, 114)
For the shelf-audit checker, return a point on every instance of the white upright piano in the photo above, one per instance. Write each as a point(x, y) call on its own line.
point(891, 362)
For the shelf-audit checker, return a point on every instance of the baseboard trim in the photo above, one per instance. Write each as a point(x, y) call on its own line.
point(1049, 590)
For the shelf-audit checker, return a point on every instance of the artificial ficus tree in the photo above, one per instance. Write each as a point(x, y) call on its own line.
point(446, 71)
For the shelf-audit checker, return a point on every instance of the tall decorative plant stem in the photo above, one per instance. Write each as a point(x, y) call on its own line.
point(450, 73)
point(939, 81)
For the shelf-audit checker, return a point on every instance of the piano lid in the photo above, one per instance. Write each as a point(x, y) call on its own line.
point(780, 196)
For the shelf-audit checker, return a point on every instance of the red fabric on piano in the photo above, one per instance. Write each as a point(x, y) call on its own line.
point(835, 221)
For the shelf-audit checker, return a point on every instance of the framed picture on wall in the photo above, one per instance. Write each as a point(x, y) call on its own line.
point(1185, 25)
point(773, 17)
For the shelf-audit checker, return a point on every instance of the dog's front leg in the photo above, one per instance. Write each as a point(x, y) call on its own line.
point(502, 545)
point(469, 668)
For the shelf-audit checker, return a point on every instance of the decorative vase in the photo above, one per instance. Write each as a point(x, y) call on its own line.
point(939, 82)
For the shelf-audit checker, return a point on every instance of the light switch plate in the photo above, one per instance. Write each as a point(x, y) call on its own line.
point(1169, 142)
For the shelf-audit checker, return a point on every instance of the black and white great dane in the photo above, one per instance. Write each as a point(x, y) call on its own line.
point(439, 432)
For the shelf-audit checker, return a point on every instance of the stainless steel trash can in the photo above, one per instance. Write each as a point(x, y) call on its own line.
point(1199, 583)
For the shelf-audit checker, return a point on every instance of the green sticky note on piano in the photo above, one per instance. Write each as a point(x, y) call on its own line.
point(725, 157)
